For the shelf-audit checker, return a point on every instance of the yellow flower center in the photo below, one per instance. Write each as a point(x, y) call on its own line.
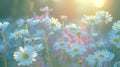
point(25, 56)
point(32, 38)
point(53, 24)
point(96, 44)
point(116, 40)
point(101, 55)
point(17, 34)
point(92, 20)
point(62, 44)
point(80, 61)
point(96, 59)
point(79, 33)
point(76, 49)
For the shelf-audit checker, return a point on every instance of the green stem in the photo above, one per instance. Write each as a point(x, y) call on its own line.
point(36, 64)
point(63, 58)
point(95, 65)
point(24, 41)
point(79, 40)
point(87, 65)
point(102, 64)
point(108, 64)
point(80, 64)
point(32, 43)
point(46, 44)
point(5, 48)
point(26, 25)
point(63, 29)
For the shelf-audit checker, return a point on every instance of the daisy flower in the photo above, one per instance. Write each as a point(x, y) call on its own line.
point(90, 19)
point(76, 50)
point(16, 35)
point(79, 33)
point(115, 39)
point(92, 59)
point(31, 39)
point(100, 57)
point(116, 26)
point(97, 45)
point(73, 28)
point(25, 56)
point(61, 45)
point(19, 34)
point(104, 16)
point(55, 25)
point(104, 55)
point(3, 25)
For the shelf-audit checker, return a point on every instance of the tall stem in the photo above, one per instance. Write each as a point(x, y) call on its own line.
point(80, 64)
point(109, 64)
point(24, 41)
point(46, 44)
point(95, 64)
point(63, 29)
point(5, 48)
point(26, 25)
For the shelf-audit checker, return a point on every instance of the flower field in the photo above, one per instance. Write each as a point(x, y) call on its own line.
point(47, 41)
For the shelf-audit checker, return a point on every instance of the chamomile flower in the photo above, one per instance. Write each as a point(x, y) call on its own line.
point(104, 55)
point(55, 25)
point(97, 45)
point(90, 19)
point(76, 50)
point(73, 28)
point(16, 35)
point(61, 45)
point(116, 26)
point(115, 39)
point(104, 16)
point(79, 33)
point(25, 55)
point(92, 59)
point(100, 57)
point(31, 39)
point(3, 25)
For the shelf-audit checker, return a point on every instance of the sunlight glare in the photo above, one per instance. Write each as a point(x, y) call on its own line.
point(99, 3)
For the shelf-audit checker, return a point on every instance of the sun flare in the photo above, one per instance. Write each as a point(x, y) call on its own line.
point(99, 3)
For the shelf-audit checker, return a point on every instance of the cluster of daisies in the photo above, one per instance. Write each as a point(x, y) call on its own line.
point(33, 35)
point(100, 57)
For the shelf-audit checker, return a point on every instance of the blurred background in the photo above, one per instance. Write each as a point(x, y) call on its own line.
point(11, 10)
point(72, 8)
